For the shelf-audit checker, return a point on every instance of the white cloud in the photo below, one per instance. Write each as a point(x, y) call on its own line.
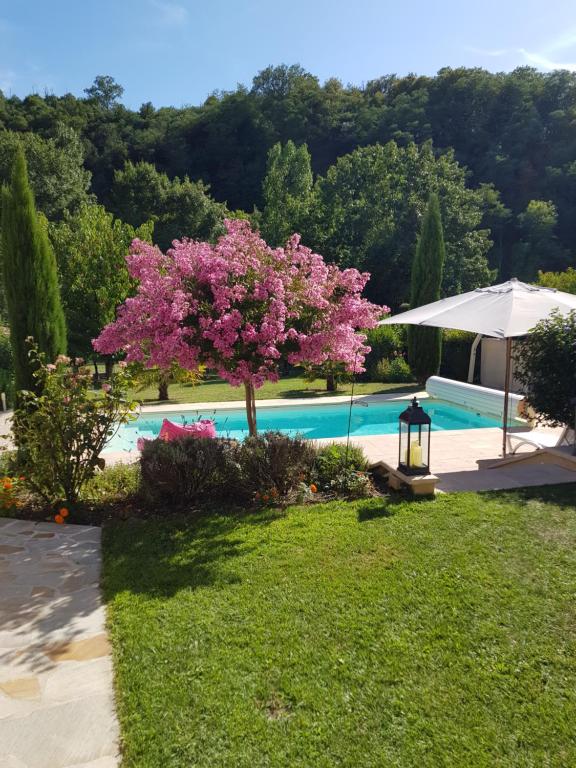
point(170, 14)
point(542, 61)
point(544, 58)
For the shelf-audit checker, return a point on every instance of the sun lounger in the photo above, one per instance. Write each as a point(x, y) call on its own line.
point(541, 439)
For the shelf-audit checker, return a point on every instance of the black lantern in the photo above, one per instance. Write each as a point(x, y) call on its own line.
point(414, 440)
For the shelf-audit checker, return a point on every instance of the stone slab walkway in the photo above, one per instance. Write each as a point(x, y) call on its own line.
point(56, 685)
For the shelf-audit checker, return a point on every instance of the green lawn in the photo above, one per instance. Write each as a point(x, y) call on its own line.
point(215, 390)
point(411, 634)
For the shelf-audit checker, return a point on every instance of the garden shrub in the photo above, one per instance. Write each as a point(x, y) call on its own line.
point(384, 341)
point(191, 470)
point(545, 365)
point(342, 471)
point(112, 483)
point(61, 429)
point(394, 371)
point(275, 463)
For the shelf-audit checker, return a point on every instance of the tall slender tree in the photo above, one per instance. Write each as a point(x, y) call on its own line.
point(287, 190)
point(425, 344)
point(30, 277)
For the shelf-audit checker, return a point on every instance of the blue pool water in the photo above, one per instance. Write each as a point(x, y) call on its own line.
point(310, 421)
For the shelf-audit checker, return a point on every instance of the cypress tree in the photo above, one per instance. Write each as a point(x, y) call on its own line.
point(425, 344)
point(30, 277)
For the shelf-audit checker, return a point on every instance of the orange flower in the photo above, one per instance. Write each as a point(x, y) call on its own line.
point(313, 488)
point(64, 512)
point(274, 492)
point(21, 477)
point(59, 519)
point(7, 484)
point(265, 497)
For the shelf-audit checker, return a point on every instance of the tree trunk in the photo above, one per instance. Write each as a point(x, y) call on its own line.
point(330, 383)
point(250, 408)
point(109, 363)
point(163, 383)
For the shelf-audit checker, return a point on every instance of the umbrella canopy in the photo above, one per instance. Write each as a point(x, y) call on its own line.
point(501, 311)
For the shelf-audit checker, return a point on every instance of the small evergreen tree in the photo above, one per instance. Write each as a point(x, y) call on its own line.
point(425, 344)
point(30, 277)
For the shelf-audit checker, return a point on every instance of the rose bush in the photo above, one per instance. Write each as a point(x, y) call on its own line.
point(60, 432)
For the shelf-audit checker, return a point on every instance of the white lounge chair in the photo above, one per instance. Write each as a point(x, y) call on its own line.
point(541, 439)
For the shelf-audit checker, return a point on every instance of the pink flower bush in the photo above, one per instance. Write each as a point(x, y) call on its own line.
point(239, 306)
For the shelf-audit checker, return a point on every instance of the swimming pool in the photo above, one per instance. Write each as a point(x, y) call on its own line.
point(311, 421)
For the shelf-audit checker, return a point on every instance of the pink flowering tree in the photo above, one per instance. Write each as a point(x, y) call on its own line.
point(238, 307)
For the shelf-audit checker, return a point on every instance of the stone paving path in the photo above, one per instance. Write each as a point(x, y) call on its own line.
point(56, 690)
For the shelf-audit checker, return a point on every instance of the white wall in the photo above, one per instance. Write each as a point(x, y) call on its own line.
point(493, 365)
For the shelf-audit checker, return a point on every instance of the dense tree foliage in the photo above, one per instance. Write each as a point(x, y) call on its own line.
point(367, 210)
point(562, 281)
point(425, 344)
point(179, 208)
point(512, 135)
point(56, 170)
point(30, 278)
point(91, 248)
point(287, 191)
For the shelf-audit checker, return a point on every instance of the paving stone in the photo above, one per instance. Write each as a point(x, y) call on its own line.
point(81, 650)
point(22, 688)
point(56, 685)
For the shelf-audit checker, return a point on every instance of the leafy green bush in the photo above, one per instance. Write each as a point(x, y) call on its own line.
point(342, 471)
point(274, 462)
point(60, 433)
point(384, 341)
point(113, 483)
point(546, 368)
point(193, 470)
point(395, 370)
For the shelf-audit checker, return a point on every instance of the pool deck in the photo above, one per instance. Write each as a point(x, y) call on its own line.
point(460, 458)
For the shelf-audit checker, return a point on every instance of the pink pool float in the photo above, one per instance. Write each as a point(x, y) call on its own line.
point(171, 431)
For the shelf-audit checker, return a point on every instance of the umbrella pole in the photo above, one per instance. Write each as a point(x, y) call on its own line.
point(506, 394)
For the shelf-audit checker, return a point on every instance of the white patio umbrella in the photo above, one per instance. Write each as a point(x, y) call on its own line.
point(500, 311)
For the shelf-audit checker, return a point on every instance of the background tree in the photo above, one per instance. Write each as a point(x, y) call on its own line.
point(562, 281)
point(287, 189)
point(105, 91)
point(368, 209)
point(178, 208)
point(30, 278)
point(91, 248)
point(538, 244)
point(56, 172)
point(425, 344)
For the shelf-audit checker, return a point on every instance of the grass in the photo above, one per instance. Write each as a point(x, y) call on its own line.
point(373, 633)
point(216, 390)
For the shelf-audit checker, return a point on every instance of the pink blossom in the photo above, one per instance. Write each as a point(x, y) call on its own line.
point(106, 387)
point(239, 306)
point(51, 367)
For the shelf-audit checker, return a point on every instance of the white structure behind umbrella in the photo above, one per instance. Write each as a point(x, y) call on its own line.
point(501, 311)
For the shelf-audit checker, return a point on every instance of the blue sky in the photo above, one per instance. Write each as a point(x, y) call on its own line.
point(175, 52)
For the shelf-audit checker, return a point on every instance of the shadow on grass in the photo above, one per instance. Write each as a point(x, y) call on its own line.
point(563, 495)
point(161, 557)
